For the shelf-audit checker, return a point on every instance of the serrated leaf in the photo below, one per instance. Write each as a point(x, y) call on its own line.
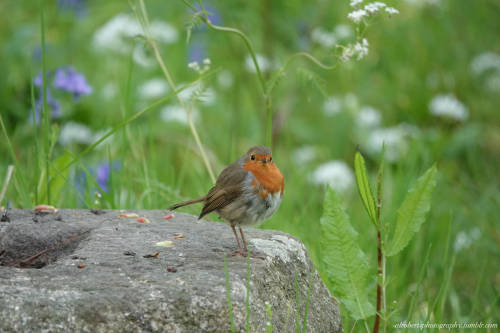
point(412, 212)
point(364, 188)
point(345, 263)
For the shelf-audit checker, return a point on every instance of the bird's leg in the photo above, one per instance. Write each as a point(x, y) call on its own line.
point(239, 252)
point(253, 255)
point(244, 242)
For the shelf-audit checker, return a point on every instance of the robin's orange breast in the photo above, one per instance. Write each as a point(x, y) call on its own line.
point(268, 175)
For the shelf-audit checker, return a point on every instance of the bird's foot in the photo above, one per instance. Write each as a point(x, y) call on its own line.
point(245, 254)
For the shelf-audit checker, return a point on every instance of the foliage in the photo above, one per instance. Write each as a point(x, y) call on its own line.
point(344, 262)
point(412, 212)
point(419, 63)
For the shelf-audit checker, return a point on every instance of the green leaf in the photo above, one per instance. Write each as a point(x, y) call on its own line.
point(364, 187)
point(412, 212)
point(345, 263)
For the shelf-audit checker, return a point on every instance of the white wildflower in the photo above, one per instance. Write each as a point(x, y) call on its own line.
point(391, 11)
point(465, 240)
point(493, 82)
point(351, 101)
point(484, 62)
point(448, 106)
point(113, 34)
point(207, 97)
point(393, 138)
point(194, 65)
point(163, 32)
point(343, 31)
point(109, 90)
point(187, 93)
point(358, 50)
point(335, 173)
point(357, 15)
point(354, 3)
point(264, 63)
point(116, 35)
point(225, 79)
point(368, 117)
point(175, 113)
point(361, 49)
point(323, 37)
point(332, 106)
point(98, 135)
point(72, 132)
point(374, 7)
point(303, 155)
point(153, 88)
point(197, 91)
point(142, 58)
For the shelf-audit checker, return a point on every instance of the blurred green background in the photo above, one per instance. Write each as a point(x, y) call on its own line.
point(429, 88)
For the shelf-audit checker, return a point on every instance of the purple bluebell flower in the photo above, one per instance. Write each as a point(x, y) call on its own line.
point(67, 79)
point(78, 6)
point(196, 52)
point(213, 14)
point(52, 103)
point(103, 174)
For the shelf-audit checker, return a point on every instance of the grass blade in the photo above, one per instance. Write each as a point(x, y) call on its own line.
point(19, 174)
point(45, 110)
point(306, 310)
point(228, 293)
point(421, 276)
point(247, 300)
point(412, 212)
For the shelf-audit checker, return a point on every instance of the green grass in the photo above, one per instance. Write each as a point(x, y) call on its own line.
point(423, 51)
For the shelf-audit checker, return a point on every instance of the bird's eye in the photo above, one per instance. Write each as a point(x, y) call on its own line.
point(252, 157)
point(270, 158)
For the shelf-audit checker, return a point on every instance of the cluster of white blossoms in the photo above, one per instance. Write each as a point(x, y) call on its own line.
point(332, 105)
point(265, 64)
point(368, 117)
point(116, 36)
point(153, 88)
point(335, 173)
point(448, 106)
point(303, 155)
point(465, 240)
point(329, 39)
point(369, 9)
point(194, 65)
point(394, 139)
point(486, 66)
point(76, 133)
point(358, 50)
point(176, 114)
point(335, 104)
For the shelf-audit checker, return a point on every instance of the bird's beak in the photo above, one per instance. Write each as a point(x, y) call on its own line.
point(264, 161)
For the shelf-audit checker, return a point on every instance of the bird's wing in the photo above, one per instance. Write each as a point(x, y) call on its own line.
point(218, 198)
point(227, 188)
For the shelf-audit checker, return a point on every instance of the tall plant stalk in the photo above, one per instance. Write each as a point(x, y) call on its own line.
point(381, 258)
point(143, 19)
point(267, 87)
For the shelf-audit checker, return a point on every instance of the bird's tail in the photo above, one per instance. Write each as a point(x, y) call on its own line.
point(185, 203)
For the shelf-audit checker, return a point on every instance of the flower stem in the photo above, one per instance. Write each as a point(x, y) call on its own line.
point(192, 127)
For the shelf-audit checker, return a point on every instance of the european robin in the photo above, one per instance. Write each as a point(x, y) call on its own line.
point(247, 192)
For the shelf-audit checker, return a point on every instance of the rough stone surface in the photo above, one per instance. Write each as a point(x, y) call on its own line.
point(83, 271)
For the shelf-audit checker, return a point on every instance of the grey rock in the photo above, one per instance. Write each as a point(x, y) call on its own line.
point(78, 271)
